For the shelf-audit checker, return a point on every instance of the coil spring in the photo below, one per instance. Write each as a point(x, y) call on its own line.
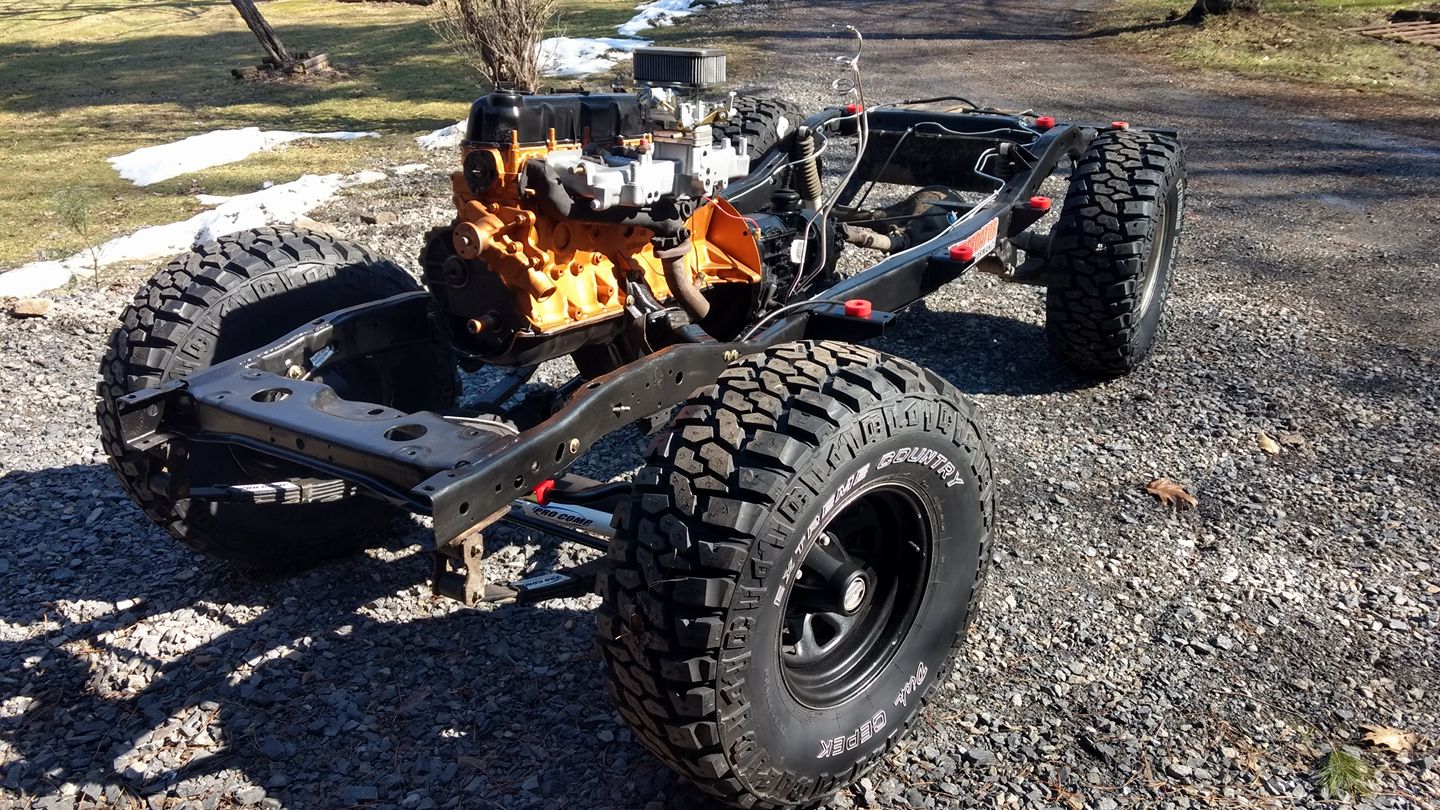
point(807, 180)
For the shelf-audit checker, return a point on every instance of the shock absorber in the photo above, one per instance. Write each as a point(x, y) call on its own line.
point(807, 168)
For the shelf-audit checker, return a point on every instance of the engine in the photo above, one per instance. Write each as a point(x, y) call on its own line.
point(583, 218)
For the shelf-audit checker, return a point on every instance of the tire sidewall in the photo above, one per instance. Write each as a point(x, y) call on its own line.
point(804, 745)
point(1164, 235)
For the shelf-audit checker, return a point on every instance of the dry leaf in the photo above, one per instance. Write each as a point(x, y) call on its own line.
point(1267, 444)
point(1292, 440)
point(1391, 738)
point(1171, 493)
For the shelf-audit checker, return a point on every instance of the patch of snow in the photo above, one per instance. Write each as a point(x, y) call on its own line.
point(152, 164)
point(36, 277)
point(662, 13)
point(408, 168)
point(580, 56)
point(443, 138)
point(363, 177)
point(282, 203)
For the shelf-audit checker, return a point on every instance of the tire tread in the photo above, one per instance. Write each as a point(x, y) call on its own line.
point(1107, 225)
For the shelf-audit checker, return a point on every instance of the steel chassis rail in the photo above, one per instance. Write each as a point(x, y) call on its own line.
point(467, 478)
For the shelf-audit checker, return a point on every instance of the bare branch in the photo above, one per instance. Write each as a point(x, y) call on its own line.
point(499, 38)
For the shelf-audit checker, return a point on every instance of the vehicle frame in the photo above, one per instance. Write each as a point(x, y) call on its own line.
point(466, 479)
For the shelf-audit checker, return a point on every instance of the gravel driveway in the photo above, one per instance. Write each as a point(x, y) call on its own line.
point(1127, 654)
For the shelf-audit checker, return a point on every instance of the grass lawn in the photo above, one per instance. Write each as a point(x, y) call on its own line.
point(1297, 40)
point(84, 80)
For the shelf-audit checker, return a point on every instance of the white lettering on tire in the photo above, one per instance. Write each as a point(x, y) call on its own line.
point(933, 460)
point(811, 530)
point(839, 745)
point(912, 684)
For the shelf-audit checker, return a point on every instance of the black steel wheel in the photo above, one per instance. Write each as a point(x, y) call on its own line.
point(227, 297)
point(856, 594)
point(795, 570)
point(1114, 250)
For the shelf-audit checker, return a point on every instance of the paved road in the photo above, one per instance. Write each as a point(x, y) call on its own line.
point(1126, 653)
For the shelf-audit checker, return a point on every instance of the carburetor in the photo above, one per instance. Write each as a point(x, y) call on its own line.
point(683, 156)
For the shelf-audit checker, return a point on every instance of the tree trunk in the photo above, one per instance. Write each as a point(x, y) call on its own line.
point(274, 48)
point(1207, 8)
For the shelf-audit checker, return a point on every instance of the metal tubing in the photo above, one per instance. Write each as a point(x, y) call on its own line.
point(680, 280)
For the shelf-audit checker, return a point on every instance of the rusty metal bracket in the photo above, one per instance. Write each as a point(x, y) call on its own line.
point(458, 572)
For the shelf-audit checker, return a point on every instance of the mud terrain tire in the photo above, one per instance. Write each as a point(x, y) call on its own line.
point(720, 580)
point(766, 123)
point(1113, 252)
point(227, 297)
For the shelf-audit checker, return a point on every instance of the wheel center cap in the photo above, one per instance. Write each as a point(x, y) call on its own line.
point(855, 594)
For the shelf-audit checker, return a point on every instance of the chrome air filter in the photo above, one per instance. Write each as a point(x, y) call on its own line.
point(680, 67)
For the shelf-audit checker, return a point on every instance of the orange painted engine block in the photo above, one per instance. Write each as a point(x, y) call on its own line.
point(564, 273)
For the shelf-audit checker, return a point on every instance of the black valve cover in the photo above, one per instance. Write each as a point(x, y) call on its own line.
point(606, 118)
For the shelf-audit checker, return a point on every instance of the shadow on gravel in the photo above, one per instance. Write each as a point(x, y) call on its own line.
point(980, 353)
point(341, 686)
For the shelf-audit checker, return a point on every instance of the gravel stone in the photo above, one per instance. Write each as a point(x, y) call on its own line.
point(30, 308)
point(359, 793)
point(980, 756)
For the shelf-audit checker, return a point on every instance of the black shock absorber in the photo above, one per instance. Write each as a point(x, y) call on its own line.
point(807, 167)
